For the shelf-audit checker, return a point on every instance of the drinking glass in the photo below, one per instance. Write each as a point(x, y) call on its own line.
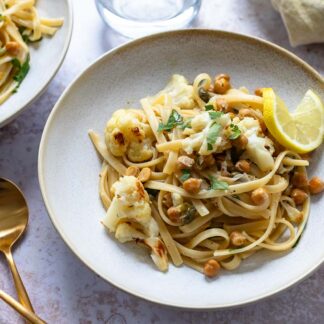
point(135, 18)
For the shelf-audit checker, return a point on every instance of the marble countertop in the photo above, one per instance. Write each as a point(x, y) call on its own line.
point(61, 288)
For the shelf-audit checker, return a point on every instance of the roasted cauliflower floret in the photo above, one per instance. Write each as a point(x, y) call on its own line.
point(129, 217)
point(180, 91)
point(259, 149)
point(127, 132)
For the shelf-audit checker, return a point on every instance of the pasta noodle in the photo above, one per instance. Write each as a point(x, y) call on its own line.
point(20, 25)
point(194, 179)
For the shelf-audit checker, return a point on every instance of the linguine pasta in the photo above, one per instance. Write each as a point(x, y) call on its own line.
point(20, 24)
point(195, 176)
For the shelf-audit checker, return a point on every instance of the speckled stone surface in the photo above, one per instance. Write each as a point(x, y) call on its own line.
point(61, 288)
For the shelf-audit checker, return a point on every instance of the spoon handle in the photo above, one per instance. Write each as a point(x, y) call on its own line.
point(27, 314)
point(20, 288)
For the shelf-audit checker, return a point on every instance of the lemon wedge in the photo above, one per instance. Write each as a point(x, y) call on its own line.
point(301, 131)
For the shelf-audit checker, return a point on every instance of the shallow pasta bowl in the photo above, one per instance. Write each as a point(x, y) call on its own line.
point(46, 58)
point(69, 167)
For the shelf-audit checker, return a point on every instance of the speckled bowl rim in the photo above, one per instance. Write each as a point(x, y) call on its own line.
point(121, 49)
point(20, 109)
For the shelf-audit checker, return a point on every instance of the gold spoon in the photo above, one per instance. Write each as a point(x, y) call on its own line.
point(27, 314)
point(13, 221)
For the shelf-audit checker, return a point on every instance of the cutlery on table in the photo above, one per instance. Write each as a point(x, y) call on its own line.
point(13, 222)
point(27, 314)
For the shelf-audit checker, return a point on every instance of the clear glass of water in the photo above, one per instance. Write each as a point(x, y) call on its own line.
point(136, 18)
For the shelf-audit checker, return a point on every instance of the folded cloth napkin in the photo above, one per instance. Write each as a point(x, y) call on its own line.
point(304, 20)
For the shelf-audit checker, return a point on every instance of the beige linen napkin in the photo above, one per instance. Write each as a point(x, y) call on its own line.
point(304, 20)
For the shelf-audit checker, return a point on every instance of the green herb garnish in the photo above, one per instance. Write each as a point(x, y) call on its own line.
point(215, 114)
point(217, 184)
point(22, 70)
point(174, 120)
point(235, 132)
point(209, 107)
point(185, 175)
point(212, 135)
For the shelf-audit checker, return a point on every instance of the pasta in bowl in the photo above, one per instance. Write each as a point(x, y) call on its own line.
point(196, 176)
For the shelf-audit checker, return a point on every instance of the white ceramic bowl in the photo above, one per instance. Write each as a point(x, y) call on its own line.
point(45, 59)
point(69, 166)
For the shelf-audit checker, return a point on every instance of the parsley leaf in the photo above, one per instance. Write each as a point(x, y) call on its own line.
point(209, 107)
point(22, 70)
point(217, 185)
point(212, 135)
point(16, 63)
point(185, 175)
point(174, 120)
point(215, 114)
point(235, 132)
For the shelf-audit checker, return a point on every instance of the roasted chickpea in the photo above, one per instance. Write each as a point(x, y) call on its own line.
point(13, 48)
point(316, 185)
point(211, 268)
point(222, 83)
point(299, 180)
point(243, 166)
point(258, 92)
point(192, 185)
point(259, 196)
point(237, 238)
point(241, 142)
point(299, 196)
point(174, 214)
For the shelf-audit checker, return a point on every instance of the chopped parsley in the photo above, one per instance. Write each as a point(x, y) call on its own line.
point(21, 70)
point(212, 135)
point(185, 175)
point(174, 120)
point(217, 184)
point(215, 114)
point(209, 107)
point(235, 132)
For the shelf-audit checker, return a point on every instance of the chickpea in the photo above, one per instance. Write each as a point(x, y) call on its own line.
point(13, 48)
point(243, 166)
point(241, 142)
point(211, 268)
point(258, 92)
point(299, 180)
point(237, 238)
point(222, 83)
point(185, 162)
point(316, 185)
point(192, 185)
point(299, 196)
point(259, 196)
point(174, 214)
point(145, 174)
point(132, 171)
